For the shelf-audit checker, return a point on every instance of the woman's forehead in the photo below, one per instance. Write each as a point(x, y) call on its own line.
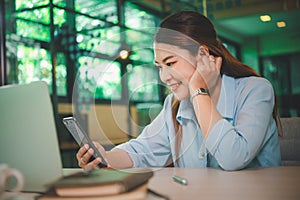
point(161, 50)
point(164, 47)
point(169, 49)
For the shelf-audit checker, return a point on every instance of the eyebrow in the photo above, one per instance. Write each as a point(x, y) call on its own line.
point(165, 59)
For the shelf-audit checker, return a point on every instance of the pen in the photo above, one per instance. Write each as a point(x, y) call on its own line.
point(180, 180)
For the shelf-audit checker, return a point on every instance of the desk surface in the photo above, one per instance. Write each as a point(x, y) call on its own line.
point(210, 184)
point(264, 183)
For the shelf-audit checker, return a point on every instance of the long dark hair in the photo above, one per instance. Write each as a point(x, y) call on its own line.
point(188, 30)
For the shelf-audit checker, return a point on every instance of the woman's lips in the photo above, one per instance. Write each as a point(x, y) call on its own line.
point(174, 86)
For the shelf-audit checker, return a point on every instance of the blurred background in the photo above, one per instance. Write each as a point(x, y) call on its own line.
point(96, 56)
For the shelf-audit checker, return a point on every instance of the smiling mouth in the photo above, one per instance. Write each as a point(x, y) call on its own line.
point(173, 87)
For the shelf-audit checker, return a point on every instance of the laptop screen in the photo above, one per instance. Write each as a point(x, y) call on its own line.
point(28, 138)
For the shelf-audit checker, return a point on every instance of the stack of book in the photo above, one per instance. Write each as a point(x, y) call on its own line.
point(108, 184)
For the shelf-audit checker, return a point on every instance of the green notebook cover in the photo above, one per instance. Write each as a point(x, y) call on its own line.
point(102, 181)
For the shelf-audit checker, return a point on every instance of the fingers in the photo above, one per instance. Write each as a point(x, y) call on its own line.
point(103, 152)
point(93, 164)
point(84, 155)
point(219, 63)
point(212, 59)
point(207, 71)
point(206, 62)
point(81, 152)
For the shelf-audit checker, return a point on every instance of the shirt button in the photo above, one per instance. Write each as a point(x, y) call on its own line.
point(202, 154)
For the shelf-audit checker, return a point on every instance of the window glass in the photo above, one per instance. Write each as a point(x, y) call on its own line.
point(232, 49)
point(33, 30)
point(282, 72)
point(61, 74)
point(104, 9)
point(138, 19)
point(98, 38)
point(100, 77)
point(92, 35)
point(33, 65)
point(41, 15)
point(143, 87)
point(85, 24)
point(98, 44)
point(20, 4)
point(61, 3)
point(277, 71)
point(59, 16)
point(143, 54)
point(140, 38)
point(34, 24)
point(141, 44)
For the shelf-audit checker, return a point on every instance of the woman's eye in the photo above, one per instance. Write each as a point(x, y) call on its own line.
point(169, 64)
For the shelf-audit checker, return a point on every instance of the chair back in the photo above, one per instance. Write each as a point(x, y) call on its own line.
point(290, 142)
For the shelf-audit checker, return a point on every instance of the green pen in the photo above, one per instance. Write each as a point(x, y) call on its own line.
point(180, 180)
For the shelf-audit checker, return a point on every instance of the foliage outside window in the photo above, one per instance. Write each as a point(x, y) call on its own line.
point(138, 19)
point(34, 64)
point(32, 30)
point(101, 78)
point(61, 74)
point(20, 4)
point(104, 9)
point(98, 40)
point(143, 87)
point(105, 40)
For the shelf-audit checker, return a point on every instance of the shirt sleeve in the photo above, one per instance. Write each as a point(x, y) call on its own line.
point(152, 147)
point(234, 145)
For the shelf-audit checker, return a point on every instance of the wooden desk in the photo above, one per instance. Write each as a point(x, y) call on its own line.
point(282, 183)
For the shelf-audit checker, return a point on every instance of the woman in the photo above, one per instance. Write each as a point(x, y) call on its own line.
point(220, 114)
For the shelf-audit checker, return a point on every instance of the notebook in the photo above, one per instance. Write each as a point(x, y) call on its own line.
point(28, 138)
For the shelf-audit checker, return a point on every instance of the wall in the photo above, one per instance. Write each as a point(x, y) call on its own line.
point(250, 53)
point(265, 45)
point(250, 46)
point(277, 44)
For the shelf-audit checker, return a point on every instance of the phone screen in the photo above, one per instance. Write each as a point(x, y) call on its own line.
point(82, 138)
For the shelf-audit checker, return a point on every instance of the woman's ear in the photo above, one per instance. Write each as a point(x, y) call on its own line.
point(203, 50)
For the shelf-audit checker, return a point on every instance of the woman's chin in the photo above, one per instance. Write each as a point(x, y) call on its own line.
point(180, 96)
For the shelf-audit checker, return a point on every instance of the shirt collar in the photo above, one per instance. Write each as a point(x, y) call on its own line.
point(225, 103)
point(226, 100)
point(185, 110)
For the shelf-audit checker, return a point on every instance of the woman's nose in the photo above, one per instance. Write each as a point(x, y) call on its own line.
point(165, 74)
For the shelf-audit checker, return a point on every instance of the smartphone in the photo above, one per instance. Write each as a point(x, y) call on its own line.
point(82, 138)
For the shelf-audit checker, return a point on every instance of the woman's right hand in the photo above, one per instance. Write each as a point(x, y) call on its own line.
point(207, 73)
point(85, 153)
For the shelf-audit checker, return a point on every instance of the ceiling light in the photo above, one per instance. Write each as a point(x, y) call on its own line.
point(281, 24)
point(265, 18)
point(124, 54)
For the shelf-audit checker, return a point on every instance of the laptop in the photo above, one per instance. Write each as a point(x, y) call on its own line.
point(28, 138)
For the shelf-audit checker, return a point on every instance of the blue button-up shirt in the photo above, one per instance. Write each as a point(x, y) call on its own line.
point(245, 137)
